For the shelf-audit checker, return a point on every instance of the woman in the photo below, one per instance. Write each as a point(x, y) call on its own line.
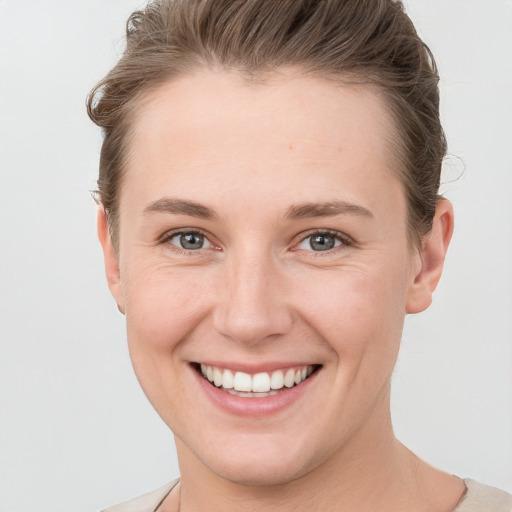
point(269, 214)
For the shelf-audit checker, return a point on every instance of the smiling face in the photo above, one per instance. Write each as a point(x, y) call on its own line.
point(263, 244)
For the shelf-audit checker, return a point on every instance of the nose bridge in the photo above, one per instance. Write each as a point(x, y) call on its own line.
point(253, 303)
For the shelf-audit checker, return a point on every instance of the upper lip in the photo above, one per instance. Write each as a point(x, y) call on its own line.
point(253, 368)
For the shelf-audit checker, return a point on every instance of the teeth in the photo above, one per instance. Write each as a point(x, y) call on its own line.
point(228, 379)
point(259, 384)
point(289, 378)
point(251, 395)
point(277, 380)
point(217, 377)
point(243, 382)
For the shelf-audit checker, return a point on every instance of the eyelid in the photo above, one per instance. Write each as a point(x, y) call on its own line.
point(168, 235)
point(181, 231)
point(342, 237)
point(206, 244)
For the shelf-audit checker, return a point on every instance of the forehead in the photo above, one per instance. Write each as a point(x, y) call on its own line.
point(283, 103)
point(217, 130)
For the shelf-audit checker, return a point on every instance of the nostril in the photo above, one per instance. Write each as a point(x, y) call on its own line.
point(250, 328)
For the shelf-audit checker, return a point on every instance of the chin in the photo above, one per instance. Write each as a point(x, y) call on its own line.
point(263, 474)
point(259, 464)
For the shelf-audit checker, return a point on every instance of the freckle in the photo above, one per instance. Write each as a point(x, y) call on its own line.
point(290, 146)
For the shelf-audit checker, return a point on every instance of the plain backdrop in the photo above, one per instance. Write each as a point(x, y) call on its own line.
point(76, 432)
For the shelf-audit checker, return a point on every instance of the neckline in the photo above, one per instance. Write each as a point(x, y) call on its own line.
point(468, 483)
point(172, 485)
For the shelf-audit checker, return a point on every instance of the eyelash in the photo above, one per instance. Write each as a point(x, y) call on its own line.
point(166, 239)
point(345, 241)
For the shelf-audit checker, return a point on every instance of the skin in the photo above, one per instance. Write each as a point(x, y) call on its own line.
point(257, 292)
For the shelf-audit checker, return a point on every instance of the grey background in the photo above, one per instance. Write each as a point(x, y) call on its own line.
point(76, 432)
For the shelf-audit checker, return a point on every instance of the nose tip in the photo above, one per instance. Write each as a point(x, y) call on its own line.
point(253, 306)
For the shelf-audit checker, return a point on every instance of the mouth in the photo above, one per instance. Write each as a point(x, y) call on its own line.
point(256, 385)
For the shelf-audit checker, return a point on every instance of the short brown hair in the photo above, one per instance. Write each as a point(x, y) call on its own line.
point(368, 41)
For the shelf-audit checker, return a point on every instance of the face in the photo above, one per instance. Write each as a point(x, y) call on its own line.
point(263, 243)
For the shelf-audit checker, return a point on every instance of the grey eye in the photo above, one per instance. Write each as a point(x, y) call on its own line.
point(320, 242)
point(189, 241)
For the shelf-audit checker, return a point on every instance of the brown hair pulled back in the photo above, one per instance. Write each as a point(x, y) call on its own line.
point(366, 41)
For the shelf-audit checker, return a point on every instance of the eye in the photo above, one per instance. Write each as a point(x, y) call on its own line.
point(190, 240)
point(321, 241)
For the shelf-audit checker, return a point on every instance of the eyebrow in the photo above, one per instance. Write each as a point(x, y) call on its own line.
point(329, 209)
point(180, 206)
point(298, 211)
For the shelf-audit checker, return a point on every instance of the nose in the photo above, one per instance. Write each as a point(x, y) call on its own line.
point(252, 304)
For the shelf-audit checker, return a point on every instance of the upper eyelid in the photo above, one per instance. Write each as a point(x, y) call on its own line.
point(337, 234)
point(183, 231)
point(165, 239)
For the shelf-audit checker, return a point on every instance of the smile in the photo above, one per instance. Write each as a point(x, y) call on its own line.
point(256, 385)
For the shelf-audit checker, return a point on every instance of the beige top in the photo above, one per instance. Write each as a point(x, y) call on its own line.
point(477, 498)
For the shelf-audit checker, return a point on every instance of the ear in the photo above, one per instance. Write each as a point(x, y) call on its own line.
point(431, 259)
point(110, 258)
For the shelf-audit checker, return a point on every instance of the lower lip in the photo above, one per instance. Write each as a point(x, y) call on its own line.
point(255, 406)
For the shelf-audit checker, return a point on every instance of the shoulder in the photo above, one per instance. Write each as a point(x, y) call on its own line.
point(484, 498)
point(145, 503)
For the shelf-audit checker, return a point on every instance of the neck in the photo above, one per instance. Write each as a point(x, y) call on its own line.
point(373, 471)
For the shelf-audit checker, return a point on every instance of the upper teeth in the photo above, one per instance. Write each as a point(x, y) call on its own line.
point(257, 383)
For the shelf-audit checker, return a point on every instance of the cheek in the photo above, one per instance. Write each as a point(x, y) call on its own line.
point(163, 305)
point(357, 310)
point(163, 308)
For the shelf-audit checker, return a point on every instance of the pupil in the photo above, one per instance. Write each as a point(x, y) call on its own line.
point(322, 242)
point(191, 241)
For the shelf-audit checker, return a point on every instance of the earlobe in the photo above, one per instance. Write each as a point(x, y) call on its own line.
point(431, 256)
point(110, 259)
